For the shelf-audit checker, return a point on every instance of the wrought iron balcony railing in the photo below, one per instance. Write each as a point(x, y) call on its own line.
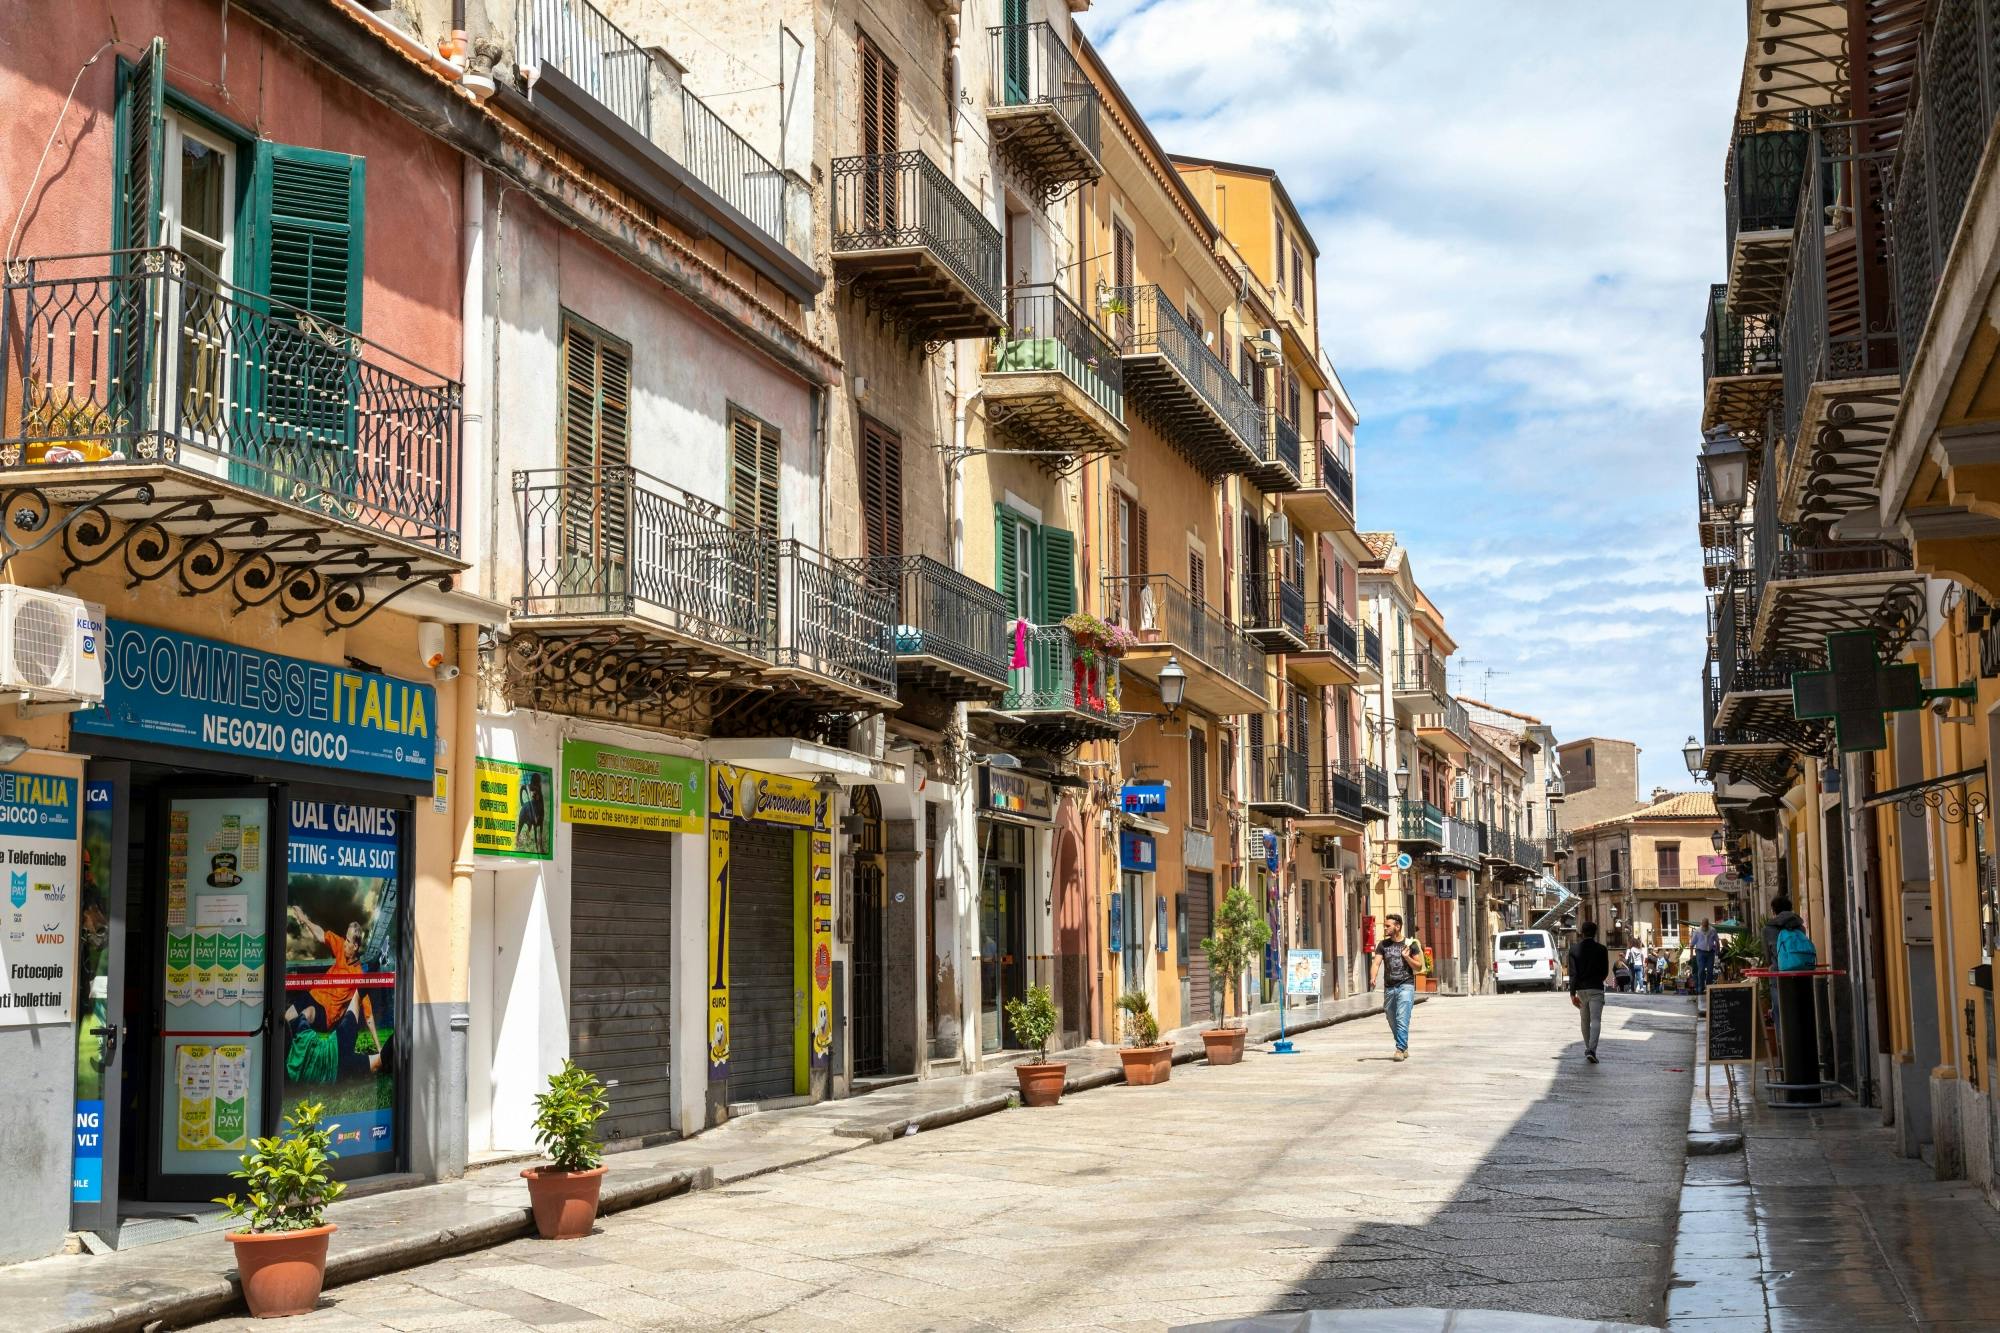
point(1735, 344)
point(593, 53)
point(1375, 787)
point(1461, 838)
point(942, 614)
point(1419, 821)
point(1047, 331)
point(1281, 470)
point(143, 357)
point(1325, 470)
point(1420, 671)
point(1062, 677)
point(833, 620)
point(1452, 719)
point(1950, 118)
point(1336, 790)
point(1557, 845)
point(724, 161)
point(1762, 178)
point(609, 542)
point(902, 201)
point(1159, 609)
point(1272, 604)
point(1328, 630)
point(1150, 324)
point(1032, 67)
point(1279, 776)
point(1371, 646)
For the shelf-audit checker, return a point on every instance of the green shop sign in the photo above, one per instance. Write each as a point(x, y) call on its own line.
point(634, 789)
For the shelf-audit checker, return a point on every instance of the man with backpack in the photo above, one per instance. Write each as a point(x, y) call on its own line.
point(1394, 968)
point(1788, 949)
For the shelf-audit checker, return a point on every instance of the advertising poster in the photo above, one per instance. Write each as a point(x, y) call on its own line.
point(175, 689)
point(38, 951)
point(218, 873)
point(1711, 867)
point(93, 948)
point(1302, 973)
point(343, 939)
point(510, 814)
point(618, 788)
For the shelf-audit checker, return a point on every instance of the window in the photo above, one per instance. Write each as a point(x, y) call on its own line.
point(1229, 764)
point(1035, 568)
point(1194, 323)
point(1197, 578)
point(1298, 279)
point(1667, 856)
point(596, 426)
point(1278, 248)
point(1123, 275)
point(1586, 757)
point(1670, 924)
point(881, 490)
point(880, 137)
point(1197, 777)
point(753, 474)
point(1130, 559)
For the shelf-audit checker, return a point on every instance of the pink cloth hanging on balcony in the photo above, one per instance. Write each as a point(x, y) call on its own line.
point(1020, 646)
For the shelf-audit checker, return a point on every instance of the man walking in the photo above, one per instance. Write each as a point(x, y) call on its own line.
point(1589, 966)
point(1705, 944)
point(1394, 968)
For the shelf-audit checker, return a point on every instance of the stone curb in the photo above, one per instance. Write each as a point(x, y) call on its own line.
point(223, 1295)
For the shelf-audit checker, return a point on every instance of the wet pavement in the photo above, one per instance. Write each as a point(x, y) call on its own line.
point(1817, 1224)
point(1493, 1171)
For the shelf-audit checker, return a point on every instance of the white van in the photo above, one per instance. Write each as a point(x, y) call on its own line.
point(1523, 958)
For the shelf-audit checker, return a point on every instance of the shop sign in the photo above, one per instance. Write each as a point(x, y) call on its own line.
point(742, 795)
point(1303, 970)
point(86, 1173)
point(631, 789)
point(1137, 851)
point(1445, 890)
point(1713, 866)
point(38, 846)
point(1115, 928)
point(169, 688)
point(510, 815)
point(1004, 792)
point(1144, 798)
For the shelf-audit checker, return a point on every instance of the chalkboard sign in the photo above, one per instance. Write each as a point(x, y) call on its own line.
point(1732, 1024)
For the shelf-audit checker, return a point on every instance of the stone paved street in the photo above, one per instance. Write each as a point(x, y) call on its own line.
point(1494, 1170)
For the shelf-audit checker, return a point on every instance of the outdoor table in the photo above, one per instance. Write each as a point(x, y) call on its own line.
point(1801, 1083)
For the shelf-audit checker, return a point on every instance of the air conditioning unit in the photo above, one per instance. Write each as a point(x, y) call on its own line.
point(1329, 856)
point(1270, 350)
point(51, 646)
point(1279, 529)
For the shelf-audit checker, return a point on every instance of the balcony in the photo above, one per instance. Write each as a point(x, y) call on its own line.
point(1839, 346)
point(1808, 585)
point(1274, 613)
point(1055, 385)
point(951, 631)
point(1374, 791)
point(1064, 696)
point(1448, 730)
point(1371, 653)
point(1419, 822)
point(1280, 781)
point(1278, 469)
point(1323, 499)
point(1332, 651)
point(146, 391)
point(1225, 671)
point(836, 629)
point(1182, 389)
point(1419, 684)
point(1797, 57)
point(592, 52)
point(1557, 846)
point(1761, 192)
point(1043, 113)
point(1333, 800)
point(1740, 368)
point(914, 249)
point(1753, 694)
point(1526, 854)
point(1461, 842)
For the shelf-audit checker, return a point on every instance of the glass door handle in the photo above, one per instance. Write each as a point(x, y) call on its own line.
point(110, 1035)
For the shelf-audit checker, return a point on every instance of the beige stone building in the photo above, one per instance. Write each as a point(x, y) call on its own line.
point(1651, 874)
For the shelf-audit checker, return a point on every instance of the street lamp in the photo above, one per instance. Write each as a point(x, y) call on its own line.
point(1173, 685)
point(1715, 840)
point(1691, 752)
point(1727, 463)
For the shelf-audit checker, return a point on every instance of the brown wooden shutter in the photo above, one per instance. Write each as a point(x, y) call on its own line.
point(881, 490)
point(880, 138)
point(1140, 555)
point(1198, 777)
point(1123, 276)
point(597, 440)
point(754, 447)
point(1197, 578)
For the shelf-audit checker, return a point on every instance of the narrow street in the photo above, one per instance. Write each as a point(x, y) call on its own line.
point(1494, 1170)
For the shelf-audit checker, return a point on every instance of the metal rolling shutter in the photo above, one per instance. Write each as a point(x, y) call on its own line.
point(1200, 925)
point(762, 941)
point(621, 943)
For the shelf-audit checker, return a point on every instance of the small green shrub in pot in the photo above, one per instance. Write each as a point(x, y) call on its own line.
point(1033, 1018)
point(1141, 1028)
point(566, 1117)
point(1241, 932)
point(288, 1177)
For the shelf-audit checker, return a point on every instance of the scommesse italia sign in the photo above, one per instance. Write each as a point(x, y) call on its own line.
point(201, 694)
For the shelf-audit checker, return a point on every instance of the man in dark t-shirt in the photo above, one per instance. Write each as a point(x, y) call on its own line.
point(1589, 966)
point(1394, 968)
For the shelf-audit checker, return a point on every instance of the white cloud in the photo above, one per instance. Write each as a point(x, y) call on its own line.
point(1518, 208)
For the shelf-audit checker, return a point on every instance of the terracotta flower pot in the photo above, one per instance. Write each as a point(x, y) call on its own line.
point(1147, 1064)
point(1225, 1045)
point(1041, 1085)
point(281, 1271)
point(565, 1202)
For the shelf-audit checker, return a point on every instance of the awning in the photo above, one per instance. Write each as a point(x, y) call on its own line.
point(1153, 826)
point(806, 759)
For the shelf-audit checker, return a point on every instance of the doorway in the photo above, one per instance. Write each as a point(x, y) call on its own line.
point(1002, 931)
point(870, 870)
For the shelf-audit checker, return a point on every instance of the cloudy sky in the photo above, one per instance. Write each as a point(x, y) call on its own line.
point(1518, 207)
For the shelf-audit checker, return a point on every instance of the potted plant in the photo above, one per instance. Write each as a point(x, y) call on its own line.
point(1033, 1017)
point(1241, 932)
point(564, 1193)
point(281, 1254)
point(1745, 949)
point(1147, 1059)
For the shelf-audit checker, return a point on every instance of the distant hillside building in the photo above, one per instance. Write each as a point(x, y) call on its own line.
point(1601, 778)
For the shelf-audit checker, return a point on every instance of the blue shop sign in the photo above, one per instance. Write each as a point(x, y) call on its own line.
point(1137, 852)
point(169, 688)
point(1144, 798)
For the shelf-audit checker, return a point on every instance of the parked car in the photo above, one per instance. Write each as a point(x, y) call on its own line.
point(1523, 958)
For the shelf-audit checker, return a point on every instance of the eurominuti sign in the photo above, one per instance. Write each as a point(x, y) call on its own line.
point(169, 688)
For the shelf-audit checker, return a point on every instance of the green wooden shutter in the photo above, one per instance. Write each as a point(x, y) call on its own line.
point(596, 425)
point(142, 115)
point(1055, 574)
point(1014, 23)
point(310, 206)
point(1005, 566)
